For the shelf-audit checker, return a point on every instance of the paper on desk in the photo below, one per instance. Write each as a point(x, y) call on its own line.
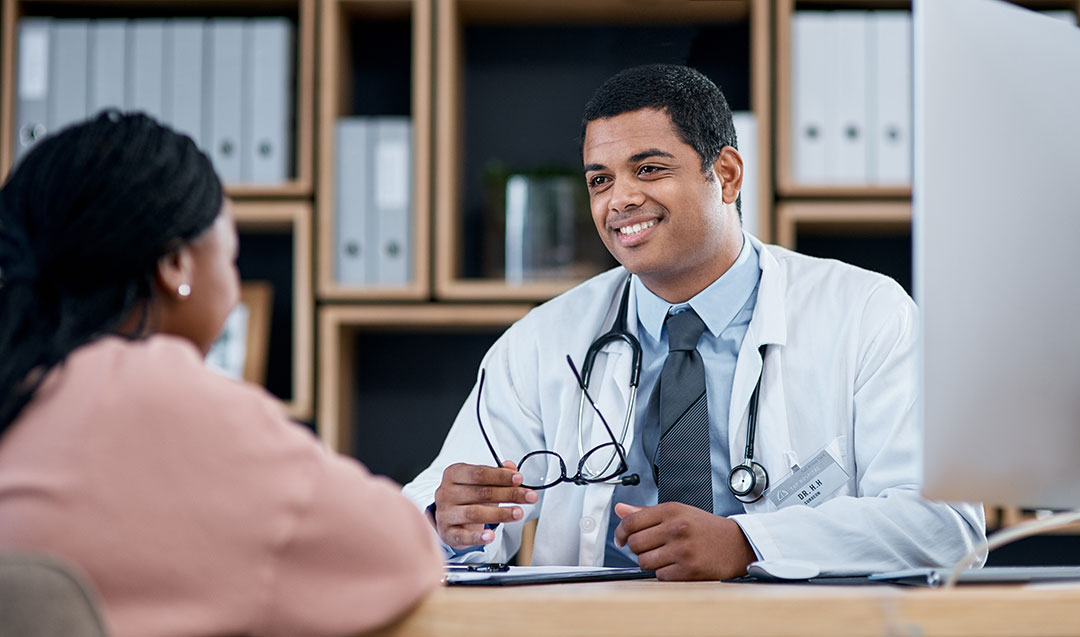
point(544, 575)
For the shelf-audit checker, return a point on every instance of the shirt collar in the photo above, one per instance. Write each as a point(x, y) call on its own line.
point(717, 304)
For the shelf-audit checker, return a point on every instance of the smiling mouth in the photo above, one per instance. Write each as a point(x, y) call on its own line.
point(628, 231)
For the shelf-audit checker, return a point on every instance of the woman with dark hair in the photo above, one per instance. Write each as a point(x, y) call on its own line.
point(191, 502)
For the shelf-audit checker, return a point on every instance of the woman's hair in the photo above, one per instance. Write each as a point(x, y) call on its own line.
point(84, 219)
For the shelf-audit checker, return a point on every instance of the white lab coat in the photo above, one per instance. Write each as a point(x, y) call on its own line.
point(840, 373)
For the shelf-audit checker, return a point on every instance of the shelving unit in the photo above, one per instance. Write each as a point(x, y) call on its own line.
point(293, 220)
point(531, 118)
point(301, 12)
point(407, 347)
point(347, 60)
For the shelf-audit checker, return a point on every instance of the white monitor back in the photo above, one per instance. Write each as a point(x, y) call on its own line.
point(997, 252)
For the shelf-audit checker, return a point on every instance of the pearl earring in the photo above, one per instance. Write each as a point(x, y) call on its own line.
point(184, 290)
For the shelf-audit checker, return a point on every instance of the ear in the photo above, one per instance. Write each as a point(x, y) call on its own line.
point(728, 168)
point(173, 270)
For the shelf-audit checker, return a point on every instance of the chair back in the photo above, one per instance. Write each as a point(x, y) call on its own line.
point(41, 596)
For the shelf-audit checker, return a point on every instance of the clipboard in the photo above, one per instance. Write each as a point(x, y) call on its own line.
point(523, 575)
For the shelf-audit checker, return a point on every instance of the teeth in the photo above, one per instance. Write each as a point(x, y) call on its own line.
point(637, 227)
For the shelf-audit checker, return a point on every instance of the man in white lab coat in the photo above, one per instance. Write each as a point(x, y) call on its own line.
point(833, 348)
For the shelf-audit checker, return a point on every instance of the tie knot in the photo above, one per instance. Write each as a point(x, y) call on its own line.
point(684, 330)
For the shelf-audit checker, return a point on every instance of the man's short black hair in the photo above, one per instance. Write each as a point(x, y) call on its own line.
point(697, 107)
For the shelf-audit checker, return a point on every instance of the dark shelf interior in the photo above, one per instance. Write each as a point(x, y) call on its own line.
point(409, 388)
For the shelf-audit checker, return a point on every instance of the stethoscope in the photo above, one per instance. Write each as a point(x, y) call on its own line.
point(747, 481)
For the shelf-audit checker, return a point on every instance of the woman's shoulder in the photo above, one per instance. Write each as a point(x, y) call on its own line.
point(161, 370)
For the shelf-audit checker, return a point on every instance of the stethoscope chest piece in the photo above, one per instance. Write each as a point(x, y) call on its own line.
point(748, 481)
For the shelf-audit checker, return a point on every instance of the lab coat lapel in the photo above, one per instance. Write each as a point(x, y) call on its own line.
point(768, 326)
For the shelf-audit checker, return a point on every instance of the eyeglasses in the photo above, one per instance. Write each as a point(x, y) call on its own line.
point(534, 466)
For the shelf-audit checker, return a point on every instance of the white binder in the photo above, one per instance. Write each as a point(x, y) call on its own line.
point(146, 63)
point(808, 71)
point(68, 88)
point(183, 95)
point(225, 96)
point(267, 147)
point(32, 110)
point(846, 98)
point(351, 209)
point(890, 143)
point(746, 133)
point(392, 188)
point(108, 55)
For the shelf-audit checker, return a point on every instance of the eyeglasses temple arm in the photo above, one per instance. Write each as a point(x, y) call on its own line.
point(480, 421)
point(585, 391)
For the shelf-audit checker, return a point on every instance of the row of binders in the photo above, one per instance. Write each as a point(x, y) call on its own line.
point(226, 82)
point(373, 201)
point(852, 96)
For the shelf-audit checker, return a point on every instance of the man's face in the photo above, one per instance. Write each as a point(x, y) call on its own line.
point(656, 211)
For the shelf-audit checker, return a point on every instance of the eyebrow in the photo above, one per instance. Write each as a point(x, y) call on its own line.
point(652, 152)
point(635, 158)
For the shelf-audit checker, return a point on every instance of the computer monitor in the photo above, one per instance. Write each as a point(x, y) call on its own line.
point(996, 229)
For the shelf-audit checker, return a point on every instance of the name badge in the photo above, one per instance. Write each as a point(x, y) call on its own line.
point(810, 484)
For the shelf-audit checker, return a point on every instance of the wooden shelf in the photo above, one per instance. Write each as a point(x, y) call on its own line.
point(295, 219)
point(455, 18)
point(839, 216)
point(338, 328)
point(337, 99)
point(303, 11)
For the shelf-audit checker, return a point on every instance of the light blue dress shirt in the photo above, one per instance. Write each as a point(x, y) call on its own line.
point(726, 307)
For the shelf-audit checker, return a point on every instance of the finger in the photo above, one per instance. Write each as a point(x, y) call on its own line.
point(622, 509)
point(643, 518)
point(461, 537)
point(462, 473)
point(458, 494)
point(659, 560)
point(648, 539)
point(509, 465)
point(479, 514)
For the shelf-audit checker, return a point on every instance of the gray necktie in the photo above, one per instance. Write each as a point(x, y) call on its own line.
point(683, 469)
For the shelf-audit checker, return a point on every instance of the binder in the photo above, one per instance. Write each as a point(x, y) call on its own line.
point(267, 147)
point(108, 57)
point(392, 188)
point(32, 109)
point(225, 96)
point(746, 133)
point(846, 98)
point(68, 87)
point(890, 144)
point(183, 83)
point(146, 66)
point(808, 71)
point(351, 210)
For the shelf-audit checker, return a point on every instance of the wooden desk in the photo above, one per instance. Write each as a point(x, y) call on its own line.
point(649, 607)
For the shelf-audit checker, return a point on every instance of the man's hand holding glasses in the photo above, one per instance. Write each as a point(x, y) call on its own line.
point(467, 502)
point(469, 497)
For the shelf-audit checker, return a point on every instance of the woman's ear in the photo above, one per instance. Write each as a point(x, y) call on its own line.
point(174, 272)
point(728, 168)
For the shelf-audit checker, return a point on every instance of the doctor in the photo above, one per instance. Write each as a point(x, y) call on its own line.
point(774, 410)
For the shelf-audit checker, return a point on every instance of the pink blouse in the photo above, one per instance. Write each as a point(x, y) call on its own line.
point(197, 508)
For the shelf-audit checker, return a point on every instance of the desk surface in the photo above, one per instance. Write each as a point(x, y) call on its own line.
point(649, 607)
